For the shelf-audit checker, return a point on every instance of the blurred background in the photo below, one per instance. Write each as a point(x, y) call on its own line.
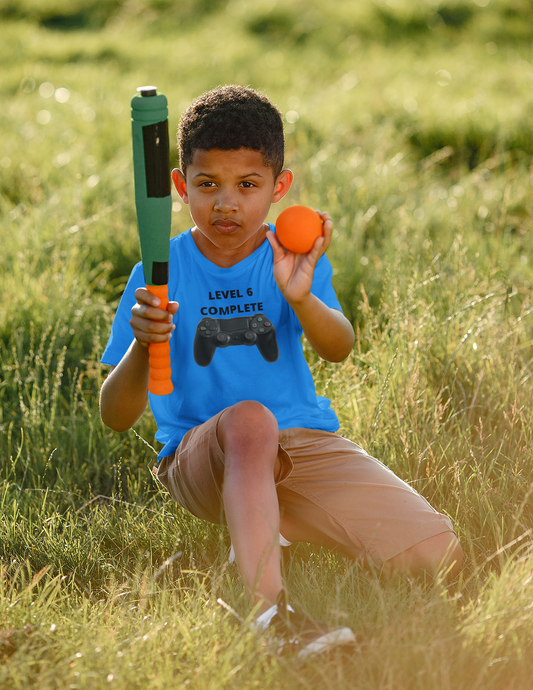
point(389, 107)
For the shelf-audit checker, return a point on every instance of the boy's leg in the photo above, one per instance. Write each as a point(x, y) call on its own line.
point(248, 436)
point(435, 555)
point(440, 553)
point(225, 471)
point(339, 496)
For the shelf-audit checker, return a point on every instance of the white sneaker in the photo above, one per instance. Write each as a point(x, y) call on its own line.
point(294, 632)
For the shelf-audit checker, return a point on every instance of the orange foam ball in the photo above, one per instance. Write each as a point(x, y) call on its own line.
point(298, 228)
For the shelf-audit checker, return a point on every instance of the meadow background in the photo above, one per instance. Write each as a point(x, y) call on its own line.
point(411, 122)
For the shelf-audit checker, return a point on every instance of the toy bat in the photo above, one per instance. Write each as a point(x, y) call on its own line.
point(151, 167)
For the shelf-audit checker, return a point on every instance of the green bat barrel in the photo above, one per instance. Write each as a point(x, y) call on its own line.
point(153, 202)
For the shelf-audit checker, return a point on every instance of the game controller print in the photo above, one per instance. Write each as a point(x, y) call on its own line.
point(240, 330)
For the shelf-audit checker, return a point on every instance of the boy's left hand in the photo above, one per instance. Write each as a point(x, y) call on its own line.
point(293, 273)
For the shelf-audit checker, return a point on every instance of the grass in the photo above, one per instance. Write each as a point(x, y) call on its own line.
point(410, 122)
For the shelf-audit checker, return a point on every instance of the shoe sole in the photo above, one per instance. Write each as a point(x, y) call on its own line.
point(335, 638)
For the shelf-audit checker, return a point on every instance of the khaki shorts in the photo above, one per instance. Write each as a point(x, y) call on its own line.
point(323, 480)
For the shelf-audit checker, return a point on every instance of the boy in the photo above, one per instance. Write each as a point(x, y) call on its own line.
point(247, 440)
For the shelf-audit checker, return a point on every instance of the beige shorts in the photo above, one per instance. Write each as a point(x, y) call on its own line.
point(323, 480)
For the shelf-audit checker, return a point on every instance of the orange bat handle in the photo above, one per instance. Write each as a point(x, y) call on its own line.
point(159, 353)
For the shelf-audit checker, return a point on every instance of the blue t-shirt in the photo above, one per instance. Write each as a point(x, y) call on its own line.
point(222, 303)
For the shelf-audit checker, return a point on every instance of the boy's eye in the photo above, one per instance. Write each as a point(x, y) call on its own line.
point(247, 185)
point(207, 183)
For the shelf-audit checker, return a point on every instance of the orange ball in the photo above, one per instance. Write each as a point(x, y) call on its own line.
point(298, 228)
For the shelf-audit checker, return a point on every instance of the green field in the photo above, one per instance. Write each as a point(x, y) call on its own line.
point(411, 122)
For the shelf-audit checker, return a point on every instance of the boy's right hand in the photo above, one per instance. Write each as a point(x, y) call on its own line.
point(151, 324)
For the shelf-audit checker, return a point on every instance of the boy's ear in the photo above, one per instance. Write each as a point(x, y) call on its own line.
point(283, 184)
point(181, 185)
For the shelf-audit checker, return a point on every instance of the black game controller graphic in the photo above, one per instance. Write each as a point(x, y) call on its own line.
point(241, 330)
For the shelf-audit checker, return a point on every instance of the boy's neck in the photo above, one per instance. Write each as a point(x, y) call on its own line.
point(228, 257)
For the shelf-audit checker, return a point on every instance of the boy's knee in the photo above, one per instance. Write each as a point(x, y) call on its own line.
point(439, 554)
point(442, 554)
point(248, 423)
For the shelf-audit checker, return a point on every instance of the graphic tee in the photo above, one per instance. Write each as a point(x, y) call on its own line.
point(236, 338)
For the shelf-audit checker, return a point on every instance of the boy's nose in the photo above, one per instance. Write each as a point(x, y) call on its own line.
point(225, 203)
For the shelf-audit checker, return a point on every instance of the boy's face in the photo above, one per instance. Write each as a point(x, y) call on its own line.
point(229, 194)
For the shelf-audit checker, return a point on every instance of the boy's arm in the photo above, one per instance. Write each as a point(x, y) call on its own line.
point(124, 393)
point(328, 331)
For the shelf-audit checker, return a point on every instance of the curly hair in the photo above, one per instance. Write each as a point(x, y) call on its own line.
point(229, 118)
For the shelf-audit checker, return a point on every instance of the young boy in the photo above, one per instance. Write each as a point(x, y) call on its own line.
point(247, 440)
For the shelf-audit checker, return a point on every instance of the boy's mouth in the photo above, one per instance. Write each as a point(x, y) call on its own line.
point(225, 225)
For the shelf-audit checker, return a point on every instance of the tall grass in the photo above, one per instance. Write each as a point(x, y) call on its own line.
point(410, 122)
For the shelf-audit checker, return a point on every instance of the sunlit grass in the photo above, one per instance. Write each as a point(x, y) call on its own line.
point(410, 122)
